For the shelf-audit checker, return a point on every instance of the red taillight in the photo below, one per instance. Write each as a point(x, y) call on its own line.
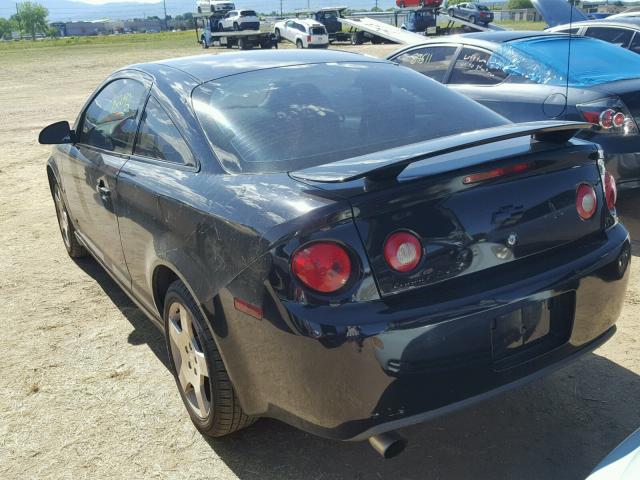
point(610, 190)
point(322, 266)
point(403, 251)
point(308, 38)
point(586, 201)
point(495, 173)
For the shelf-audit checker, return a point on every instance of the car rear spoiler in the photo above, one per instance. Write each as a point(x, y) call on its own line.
point(388, 164)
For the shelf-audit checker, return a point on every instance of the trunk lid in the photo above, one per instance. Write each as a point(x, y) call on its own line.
point(467, 228)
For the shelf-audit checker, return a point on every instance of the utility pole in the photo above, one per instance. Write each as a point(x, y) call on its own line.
point(281, 14)
point(164, 4)
point(18, 17)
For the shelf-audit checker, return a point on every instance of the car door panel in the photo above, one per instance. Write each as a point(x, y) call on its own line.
point(92, 165)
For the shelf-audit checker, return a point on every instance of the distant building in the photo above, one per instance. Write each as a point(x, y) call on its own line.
point(143, 25)
point(73, 29)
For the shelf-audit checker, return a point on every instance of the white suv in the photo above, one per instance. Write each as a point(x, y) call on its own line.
point(239, 20)
point(214, 6)
point(303, 33)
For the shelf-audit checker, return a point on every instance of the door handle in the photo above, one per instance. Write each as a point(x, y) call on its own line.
point(102, 189)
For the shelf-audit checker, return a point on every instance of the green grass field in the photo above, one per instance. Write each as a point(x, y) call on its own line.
point(125, 40)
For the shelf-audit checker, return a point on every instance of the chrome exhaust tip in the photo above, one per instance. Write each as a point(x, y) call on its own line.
point(388, 444)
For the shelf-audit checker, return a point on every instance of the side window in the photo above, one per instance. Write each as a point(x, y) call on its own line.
point(635, 44)
point(159, 138)
point(110, 120)
point(430, 61)
point(617, 36)
point(472, 68)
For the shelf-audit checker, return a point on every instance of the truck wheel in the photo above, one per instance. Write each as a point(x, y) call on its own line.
point(200, 374)
point(299, 44)
point(277, 33)
point(236, 27)
point(355, 39)
point(67, 230)
point(472, 19)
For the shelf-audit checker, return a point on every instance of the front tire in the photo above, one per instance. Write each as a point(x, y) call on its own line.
point(197, 366)
point(67, 230)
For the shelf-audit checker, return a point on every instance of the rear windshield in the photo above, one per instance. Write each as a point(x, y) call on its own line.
point(248, 13)
point(544, 60)
point(318, 31)
point(291, 118)
point(482, 7)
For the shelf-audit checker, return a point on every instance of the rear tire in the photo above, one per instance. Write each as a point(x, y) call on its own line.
point(277, 34)
point(299, 44)
point(208, 393)
point(67, 230)
point(472, 19)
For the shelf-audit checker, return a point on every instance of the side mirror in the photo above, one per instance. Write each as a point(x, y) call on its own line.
point(57, 133)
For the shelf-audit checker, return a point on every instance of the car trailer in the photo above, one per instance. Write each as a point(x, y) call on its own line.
point(473, 26)
point(367, 29)
point(243, 39)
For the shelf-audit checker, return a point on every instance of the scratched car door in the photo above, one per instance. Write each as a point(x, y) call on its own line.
point(106, 132)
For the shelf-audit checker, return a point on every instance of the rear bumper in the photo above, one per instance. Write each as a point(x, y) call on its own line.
point(352, 371)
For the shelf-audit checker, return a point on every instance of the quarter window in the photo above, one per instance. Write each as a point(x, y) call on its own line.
point(110, 120)
point(618, 36)
point(159, 138)
point(430, 61)
point(472, 68)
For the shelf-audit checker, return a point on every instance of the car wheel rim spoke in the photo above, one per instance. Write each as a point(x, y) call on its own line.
point(189, 360)
point(63, 219)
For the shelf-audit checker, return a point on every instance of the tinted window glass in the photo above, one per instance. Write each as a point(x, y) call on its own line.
point(430, 61)
point(618, 36)
point(110, 119)
point(318, 31)
point(635, 44)
point(248, 13)
point(289, 118)
point(472, 67)
point(159, 138)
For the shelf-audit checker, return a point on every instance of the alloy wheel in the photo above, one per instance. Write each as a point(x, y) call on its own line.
point(189, 360)
point(63, 218)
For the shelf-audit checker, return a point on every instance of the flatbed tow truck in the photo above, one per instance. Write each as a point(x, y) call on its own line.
point(243, 39)
point(367, 29)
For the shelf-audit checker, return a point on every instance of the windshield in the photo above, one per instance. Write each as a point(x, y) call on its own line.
point(483, 8)
point(544, 60)
point(290, 118)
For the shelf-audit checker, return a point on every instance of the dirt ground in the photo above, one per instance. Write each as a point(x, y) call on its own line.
point(84, 387)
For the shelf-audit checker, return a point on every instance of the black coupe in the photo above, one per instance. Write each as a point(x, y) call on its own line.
point(336, 241)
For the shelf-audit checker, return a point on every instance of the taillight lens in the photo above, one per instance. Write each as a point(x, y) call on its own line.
point(308, 38)
point(611, 115)
point(322, 266)
point(403, 251)
point(610, 190)
point(586, 201)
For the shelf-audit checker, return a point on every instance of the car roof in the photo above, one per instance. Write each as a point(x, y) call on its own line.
point(632, 22)
point(204, 68)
